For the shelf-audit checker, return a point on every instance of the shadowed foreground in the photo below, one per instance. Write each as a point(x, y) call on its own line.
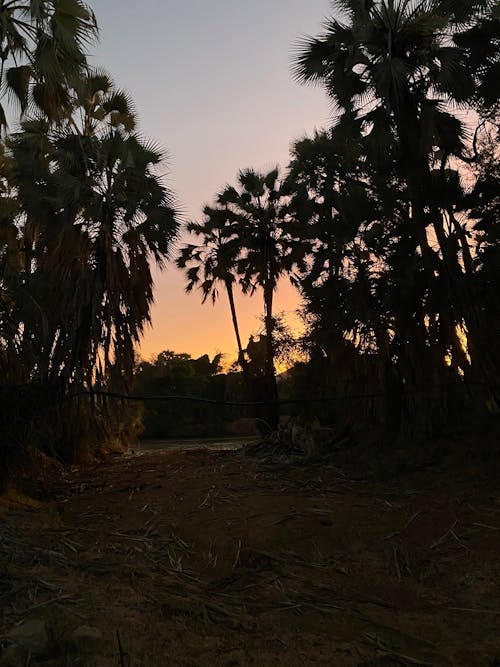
point(205, 558)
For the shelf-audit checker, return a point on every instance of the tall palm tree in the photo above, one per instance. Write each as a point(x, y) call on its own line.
point(92, 218)
point(212, 264)
point(270, 248)
point(94, 107)
point(339, 201)
point(352, 215)
point(396, 66)
point(43, 47)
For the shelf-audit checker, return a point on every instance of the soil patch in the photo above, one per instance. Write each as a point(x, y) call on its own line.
point(213, 558)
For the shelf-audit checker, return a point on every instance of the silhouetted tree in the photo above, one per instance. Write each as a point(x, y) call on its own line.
point(89, 224)
point(212, 263)
point(394, 69)
point(270, 247)
point(83, 213)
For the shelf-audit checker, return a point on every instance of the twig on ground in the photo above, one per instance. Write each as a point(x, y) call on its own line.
point(237, 559)
point(485, 525)
point(123, 657)
point(49, 602)
point(412, 518)
point(495, 612)
point(444, 537)
point(396, 561)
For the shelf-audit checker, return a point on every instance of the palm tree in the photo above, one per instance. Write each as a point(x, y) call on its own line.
point(93, 217)
point(42, 55)
point(350, 213)
point(43, 52)
point(394, 66)
point(97, 105)
point(270, 248)
point(390, 62)
point(213, 263)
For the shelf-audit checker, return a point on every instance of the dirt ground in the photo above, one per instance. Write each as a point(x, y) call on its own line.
point(213, 558)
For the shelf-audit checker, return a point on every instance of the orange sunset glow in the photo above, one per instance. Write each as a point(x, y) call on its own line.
point(206, 329)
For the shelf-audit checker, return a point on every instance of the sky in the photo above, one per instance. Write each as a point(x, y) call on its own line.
point(211, 81)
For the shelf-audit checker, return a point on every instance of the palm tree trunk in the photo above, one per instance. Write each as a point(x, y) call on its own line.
point(241, 355)
point(271, 385)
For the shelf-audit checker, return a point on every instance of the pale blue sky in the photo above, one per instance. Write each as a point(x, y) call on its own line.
point(211, 82)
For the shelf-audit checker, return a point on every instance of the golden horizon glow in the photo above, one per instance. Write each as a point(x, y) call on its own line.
point(206, 328)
